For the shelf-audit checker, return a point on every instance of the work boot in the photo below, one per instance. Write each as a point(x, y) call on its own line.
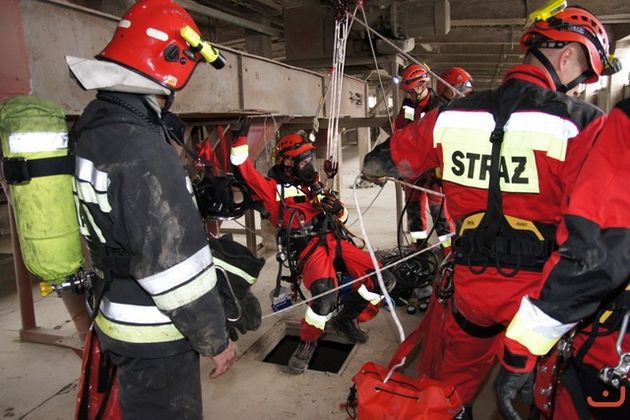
point(349, 327)
point(299, 360)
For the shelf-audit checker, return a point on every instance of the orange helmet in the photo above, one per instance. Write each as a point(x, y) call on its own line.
point(457, 77)
point(574, 24)
point(292, 148)
point(150, 40)
point(412, 76)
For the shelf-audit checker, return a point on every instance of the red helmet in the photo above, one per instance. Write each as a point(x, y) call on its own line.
point(574, 24)
point(412, 76)
point(150, 40)
point(293, 147)
point(457, 77)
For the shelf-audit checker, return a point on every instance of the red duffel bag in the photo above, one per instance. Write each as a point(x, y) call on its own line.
point(97, 395)
point(381, 393)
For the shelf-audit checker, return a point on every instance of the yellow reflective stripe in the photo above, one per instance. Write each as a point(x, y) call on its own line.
point(179, 273)
point(88, 194)
point(289, 191)
point(535, 329)
point(373, 298)
point(138, 333)
point(344, 216)
point(445, 240)
point(33, 142)
point(419, 234)
point(239, 154)
point(235, 270)
point(608, 313)
point(409, 112)
point(542, 132)
point(132, 314)
point(536, 343)
point(318, 321)
point(187, 293)
point(86, 172)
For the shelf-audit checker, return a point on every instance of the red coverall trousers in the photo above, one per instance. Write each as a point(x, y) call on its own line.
point(318, 264)
point(486, 300)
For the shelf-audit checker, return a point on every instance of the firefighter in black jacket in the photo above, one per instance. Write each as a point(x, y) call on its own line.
point(159, 308)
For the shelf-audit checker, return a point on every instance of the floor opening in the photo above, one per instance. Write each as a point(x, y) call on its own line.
point(328, 357)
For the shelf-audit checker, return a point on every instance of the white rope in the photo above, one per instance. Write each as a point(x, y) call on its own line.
point(371, 273)
point(378, 73)
point(406, 55)
point(379, 276)
point(342, 32)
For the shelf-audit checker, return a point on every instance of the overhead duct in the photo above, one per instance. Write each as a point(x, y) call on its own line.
point(425, 18)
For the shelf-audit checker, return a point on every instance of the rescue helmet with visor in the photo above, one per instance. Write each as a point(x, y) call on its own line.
point(458, 78)
point(413, 76)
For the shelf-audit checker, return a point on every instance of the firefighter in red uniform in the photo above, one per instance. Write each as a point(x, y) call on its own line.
point(508, 156)
point(309, 220)
point(420, 99)
point(586, 283)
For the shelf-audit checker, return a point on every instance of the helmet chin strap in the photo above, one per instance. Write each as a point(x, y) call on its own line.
point(560, 87)
point(169, 101)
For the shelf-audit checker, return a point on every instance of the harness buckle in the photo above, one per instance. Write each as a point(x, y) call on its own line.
point(16, 170)
point(496, 136)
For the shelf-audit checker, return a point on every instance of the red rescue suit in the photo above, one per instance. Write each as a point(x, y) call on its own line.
point(587, 278)
point(546, 140)
point(323, 253)
point(418, 202)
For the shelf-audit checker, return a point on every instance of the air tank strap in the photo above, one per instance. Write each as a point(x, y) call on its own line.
point(19, 170)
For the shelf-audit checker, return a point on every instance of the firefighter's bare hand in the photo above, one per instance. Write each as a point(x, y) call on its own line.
point(224, 360)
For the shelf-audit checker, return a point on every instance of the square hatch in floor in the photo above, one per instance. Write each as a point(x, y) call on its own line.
point(276, 346)
point(329, 356)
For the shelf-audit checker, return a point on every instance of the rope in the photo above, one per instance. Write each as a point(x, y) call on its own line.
point(378, 73)
point(406, 55)
point(377, 269)
point(342, 30)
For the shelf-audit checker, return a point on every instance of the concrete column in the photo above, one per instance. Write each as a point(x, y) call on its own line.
point(364, 142)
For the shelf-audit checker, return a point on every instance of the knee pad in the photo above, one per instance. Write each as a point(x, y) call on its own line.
point(325, 304)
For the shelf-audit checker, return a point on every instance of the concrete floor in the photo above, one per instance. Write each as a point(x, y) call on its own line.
point(39, 381)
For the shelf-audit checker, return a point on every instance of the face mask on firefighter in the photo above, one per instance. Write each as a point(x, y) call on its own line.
point(305, 170)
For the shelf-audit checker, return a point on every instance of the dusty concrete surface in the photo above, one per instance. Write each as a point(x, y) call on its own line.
point(39, 381)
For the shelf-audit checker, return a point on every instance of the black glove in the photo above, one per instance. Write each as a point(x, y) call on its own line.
point(240, 128)
point(331, 205)
point(507, 385)
point(250, 319)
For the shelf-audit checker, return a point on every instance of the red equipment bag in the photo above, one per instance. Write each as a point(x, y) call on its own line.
point(400, 396)
point(97, 395)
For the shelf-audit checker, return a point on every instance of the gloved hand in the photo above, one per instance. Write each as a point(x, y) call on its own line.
point(240, 128)
point(507, 385)
point(251, 317)
point(331, 205)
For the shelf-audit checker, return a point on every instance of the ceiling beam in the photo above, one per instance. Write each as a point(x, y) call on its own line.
point(226, 17)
